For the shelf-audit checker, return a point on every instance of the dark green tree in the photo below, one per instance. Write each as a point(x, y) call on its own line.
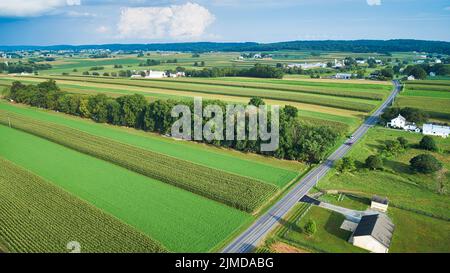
point(425, 163)
point(428, 143)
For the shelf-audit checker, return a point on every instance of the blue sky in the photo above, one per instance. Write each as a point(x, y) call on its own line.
point(47, 22)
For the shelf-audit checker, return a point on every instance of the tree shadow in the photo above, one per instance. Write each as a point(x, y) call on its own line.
point(333, 226)
point(398, 167)
point(289, 225)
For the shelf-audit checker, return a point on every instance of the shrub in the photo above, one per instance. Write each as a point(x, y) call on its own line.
point(346, 164)
point(425, 163)
point(403, 142)
point(428, 143)
point(310, 228)
point(374, 162)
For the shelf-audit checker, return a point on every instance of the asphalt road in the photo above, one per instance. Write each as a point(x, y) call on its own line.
point(250, 238)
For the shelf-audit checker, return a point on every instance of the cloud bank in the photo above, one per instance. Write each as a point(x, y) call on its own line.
point(26, 8)
point(177, 22)
point(374, 2)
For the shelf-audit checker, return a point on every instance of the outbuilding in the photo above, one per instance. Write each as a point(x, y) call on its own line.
point(436, 130)
point(379, 203)
point(373, 233)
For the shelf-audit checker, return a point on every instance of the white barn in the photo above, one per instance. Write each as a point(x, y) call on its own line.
point(373, 233)
point(436, 130)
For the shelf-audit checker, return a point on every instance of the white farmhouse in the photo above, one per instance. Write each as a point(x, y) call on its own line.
point(373, 233)
point(401, 123)
point(436, 130)
point(150, 74)
point(398, 122)
point(343, 76)
point(411, 78)
point(438, 61)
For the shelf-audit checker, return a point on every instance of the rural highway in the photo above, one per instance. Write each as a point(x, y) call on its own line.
point(249, 239)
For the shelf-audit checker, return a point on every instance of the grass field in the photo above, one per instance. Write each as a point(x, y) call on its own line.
point(277, 172)
point(240, 192)
point(328, 238)
point(427, 194)
point(39, 217)
point(180, 220)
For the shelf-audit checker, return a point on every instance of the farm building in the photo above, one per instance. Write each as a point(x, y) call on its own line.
point(379, 203)
point(343, 76)
point(373, 233)
point(307, 65)
point(411, 78)
point(401, 123)
point(436, 130)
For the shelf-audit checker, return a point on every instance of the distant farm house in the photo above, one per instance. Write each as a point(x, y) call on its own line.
point(150, 74)
point(401, 123)
point(373, 233)
point(411, 78)
point(436, 130)
point(343, 76)
point(307, 65)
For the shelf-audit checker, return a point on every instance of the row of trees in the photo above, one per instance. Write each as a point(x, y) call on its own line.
point(20, 67)
point(410, 114)
point(423, 163)
point(297, 141)
point(257, 71)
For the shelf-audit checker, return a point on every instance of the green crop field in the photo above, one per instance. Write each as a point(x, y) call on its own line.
point(432, 96)
point(40, 217)
point(180, 220)
point(272, 171)
point(241, 192)
point(362, 105)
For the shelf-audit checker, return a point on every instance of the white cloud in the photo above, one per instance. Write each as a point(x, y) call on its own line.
point(25, 8)
point(177, 21)
point(374, 2)
point(102, 29)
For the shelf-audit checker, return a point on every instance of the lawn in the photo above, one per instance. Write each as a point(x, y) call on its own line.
point(413, 233)
point(273, 171)
point(328, 238)
point(38, 216)
point(180, 220)
point(427, 194)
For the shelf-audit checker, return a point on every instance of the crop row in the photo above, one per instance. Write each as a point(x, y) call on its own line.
point(36, 216)
point(329, 101)
point(237, 191)
point(445, 88)
point(338, 92)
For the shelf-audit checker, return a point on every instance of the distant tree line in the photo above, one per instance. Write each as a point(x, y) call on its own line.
point(257, 71)
point(360, 46)
point(20, 67)
point(297, 141)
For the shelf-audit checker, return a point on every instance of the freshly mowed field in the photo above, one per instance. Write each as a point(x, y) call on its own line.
point(237, 191)
point(180, 220)
point(39, 217)
point(277, 172)
point(427, 194)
